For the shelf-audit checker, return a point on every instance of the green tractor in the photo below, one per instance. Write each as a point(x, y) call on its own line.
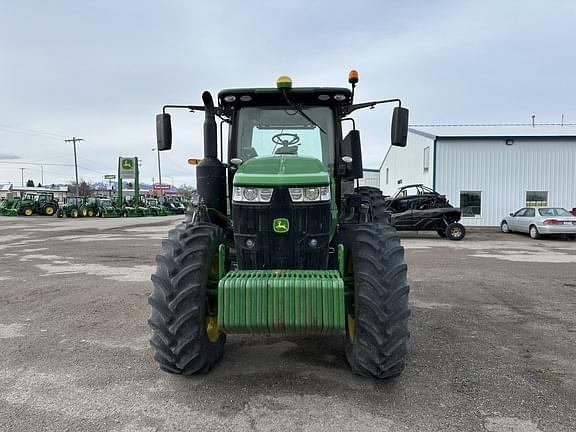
point(108, 209)
point(174, 205)
point(282, 241)
point(8, 206)
point(91, 207)
point(71, 207)
point(134, 208)
point(155, 208)
point(42, 203)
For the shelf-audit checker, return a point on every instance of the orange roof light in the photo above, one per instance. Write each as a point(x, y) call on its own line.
point(193, 161)
point(353, 76)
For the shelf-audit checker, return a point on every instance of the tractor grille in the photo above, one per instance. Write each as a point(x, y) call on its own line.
point(290, 250)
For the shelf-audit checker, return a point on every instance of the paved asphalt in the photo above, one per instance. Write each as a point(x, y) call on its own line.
point(493, 344)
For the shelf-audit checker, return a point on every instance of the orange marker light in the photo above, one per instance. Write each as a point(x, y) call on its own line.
point(353, 76)
point(193, 161)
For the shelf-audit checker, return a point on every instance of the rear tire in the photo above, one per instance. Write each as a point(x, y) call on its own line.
point(378, 209)
point(377, 323)
point(179, 301)
point(455, 231)
point(533, 231)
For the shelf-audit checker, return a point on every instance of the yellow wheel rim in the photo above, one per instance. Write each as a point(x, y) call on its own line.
point(90, 213)
point(28, 212)
point(212, 328)
point(351, 329)
point(49, 211)
point(84, 212)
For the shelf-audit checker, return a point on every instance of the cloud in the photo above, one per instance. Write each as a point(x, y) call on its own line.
point(9, 156)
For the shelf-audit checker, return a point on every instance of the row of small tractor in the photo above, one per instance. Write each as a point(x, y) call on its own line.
point(45, 204)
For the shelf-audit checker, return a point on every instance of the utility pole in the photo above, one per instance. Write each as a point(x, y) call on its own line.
point(22, 171)
point(73, 140)
point(42, 175)
point(159, 172)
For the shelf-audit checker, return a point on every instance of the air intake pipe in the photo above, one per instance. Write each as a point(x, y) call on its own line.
point(211, 173)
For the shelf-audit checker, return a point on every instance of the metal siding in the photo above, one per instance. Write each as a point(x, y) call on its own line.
point(407, 164)
point(370, 178)
point(504, 173)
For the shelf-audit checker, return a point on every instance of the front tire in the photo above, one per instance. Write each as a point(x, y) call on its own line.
point(184, 337)
point(505, 228)
point(377, 322)
point(455, 231)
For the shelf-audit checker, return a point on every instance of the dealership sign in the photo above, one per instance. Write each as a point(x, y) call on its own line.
point(157, 186)
point(127, 168)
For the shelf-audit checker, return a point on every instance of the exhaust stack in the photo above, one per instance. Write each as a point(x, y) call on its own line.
point(211, 173)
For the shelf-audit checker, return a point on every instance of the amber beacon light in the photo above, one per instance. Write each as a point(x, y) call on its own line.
point(353, 76)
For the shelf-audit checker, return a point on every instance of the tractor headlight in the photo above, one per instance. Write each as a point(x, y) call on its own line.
point(251, 194)
point(307, 194)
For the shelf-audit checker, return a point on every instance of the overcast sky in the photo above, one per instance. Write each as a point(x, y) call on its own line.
point(101, 70)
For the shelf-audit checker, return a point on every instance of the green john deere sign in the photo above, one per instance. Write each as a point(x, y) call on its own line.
point(281, 225)
point(127, 168)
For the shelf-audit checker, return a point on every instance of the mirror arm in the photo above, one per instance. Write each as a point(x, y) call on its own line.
point(351, 108)
point(191, 108)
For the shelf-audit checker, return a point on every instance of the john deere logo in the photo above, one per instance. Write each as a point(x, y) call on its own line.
point(127, 164)
point(281, 225)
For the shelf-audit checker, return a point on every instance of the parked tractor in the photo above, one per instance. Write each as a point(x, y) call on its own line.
point(134, 208)
point(281, 241)
point(155, 208)
point(35, 203)
point(107, 208)
point(71, 207)
point(91, 207)
point(8, 206)
point(174, 205)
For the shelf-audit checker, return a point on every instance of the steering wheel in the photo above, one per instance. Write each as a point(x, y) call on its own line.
point(291, 139)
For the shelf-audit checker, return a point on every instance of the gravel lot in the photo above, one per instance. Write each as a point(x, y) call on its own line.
point(493, 344)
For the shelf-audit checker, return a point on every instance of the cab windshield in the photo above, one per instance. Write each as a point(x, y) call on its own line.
point(266, 131)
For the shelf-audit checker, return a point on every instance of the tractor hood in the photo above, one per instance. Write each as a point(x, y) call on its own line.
point(281, 170)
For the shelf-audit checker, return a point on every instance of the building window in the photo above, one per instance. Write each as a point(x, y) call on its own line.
point(471, 203)
point(387, 175)
point(536, 199)
point(426, 159)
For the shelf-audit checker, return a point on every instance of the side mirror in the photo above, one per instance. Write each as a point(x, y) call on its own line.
point(511, 214)
point(352, 148)
point(163, 132)
point(399, 126)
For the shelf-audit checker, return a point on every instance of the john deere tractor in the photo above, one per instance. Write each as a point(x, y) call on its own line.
point(281, 240)
point(42, 203)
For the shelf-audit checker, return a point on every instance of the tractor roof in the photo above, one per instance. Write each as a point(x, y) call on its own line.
point(323, 96)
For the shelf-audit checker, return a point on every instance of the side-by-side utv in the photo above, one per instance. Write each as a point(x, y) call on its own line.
point(419, 208)
point(281, 241)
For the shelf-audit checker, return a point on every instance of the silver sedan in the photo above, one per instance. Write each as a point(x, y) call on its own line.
point(539, 221)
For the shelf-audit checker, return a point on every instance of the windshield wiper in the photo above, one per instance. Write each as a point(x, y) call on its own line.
point(302, 113)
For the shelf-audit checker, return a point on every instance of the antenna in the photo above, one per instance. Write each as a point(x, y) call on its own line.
point(533, 117)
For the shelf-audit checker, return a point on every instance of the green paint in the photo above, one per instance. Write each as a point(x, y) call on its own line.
point(281, 301)
point(341, 263)
point(281, 170)
point(281, 225)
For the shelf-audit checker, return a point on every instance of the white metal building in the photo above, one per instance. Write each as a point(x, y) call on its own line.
point(488, 171)
point(370, 177)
